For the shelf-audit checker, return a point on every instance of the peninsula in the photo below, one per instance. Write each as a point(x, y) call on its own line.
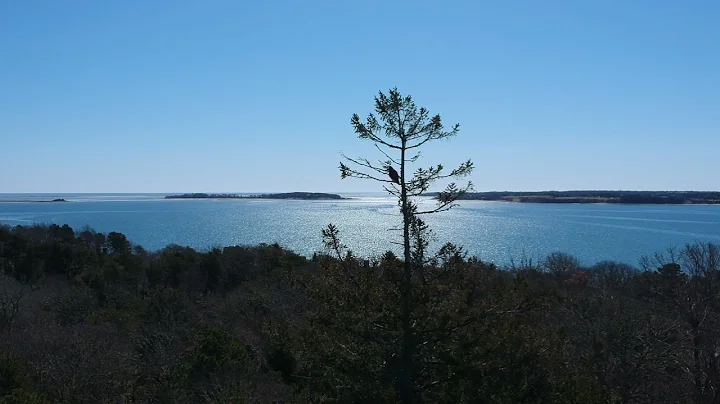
point(616, 197)
point(286, 195)
point(32, 201)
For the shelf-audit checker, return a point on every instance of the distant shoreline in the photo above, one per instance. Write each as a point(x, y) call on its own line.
point(598, 197)
point(285, 195)
point(33, 201)
point(698, 198)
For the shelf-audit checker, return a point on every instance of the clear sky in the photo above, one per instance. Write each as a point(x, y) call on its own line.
point(256, 96)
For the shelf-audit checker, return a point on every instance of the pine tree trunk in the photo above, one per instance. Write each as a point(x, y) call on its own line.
point(406, 377)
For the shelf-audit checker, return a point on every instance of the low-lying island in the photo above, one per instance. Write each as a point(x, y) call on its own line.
point(285, 195)
point(32, 200)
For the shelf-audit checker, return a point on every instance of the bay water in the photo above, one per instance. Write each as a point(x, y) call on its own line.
point(493, 231)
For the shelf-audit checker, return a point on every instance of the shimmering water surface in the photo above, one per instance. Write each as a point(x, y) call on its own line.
point(495, 231)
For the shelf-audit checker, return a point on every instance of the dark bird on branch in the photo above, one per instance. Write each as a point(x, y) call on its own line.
point(393, 175)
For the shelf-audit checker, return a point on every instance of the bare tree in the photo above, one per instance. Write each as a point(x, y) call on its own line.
point(11, 294)
point(701, 259)
point(689, 285)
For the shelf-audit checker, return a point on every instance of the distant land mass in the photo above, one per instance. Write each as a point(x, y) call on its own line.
point(286, 195)
point(619, 197)
point(32, 201)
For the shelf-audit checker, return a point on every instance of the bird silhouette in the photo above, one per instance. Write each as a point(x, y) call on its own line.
point(393, 175)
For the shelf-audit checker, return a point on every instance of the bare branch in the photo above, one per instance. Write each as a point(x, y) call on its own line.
point(386, 155)
point(394, 191)
point(439, 209)
point(11, 295)
point(365, 163)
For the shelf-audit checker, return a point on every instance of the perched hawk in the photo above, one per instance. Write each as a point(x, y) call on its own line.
point(393, 175)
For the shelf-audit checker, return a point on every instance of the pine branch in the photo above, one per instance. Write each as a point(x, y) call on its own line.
point(447, 198)
point(367, 131)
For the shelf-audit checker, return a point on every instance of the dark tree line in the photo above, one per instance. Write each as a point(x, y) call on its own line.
point(625, 197)
point(88, 317)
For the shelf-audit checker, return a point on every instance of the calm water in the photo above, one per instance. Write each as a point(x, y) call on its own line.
point(494, 231)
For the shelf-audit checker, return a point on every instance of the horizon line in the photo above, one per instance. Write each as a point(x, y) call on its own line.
point(345, 192)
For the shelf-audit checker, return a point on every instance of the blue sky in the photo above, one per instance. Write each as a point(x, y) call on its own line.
point(170, 96)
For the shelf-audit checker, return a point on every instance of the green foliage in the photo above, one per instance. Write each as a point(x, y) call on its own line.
point(168, 308)
point(398, 129)
point(281, 359)
point(217, 351)
point(12, 376)
point(15, 386)
point(20, 396)
point(118, 243)
point(210, 369)
point(72, 306)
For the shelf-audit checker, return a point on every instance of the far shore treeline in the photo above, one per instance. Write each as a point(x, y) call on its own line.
point(610, 197)
point(285, 195)
point(619, 197)
point(614, 197)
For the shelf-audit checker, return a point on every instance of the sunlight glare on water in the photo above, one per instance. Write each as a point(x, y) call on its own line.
point(494, 231)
